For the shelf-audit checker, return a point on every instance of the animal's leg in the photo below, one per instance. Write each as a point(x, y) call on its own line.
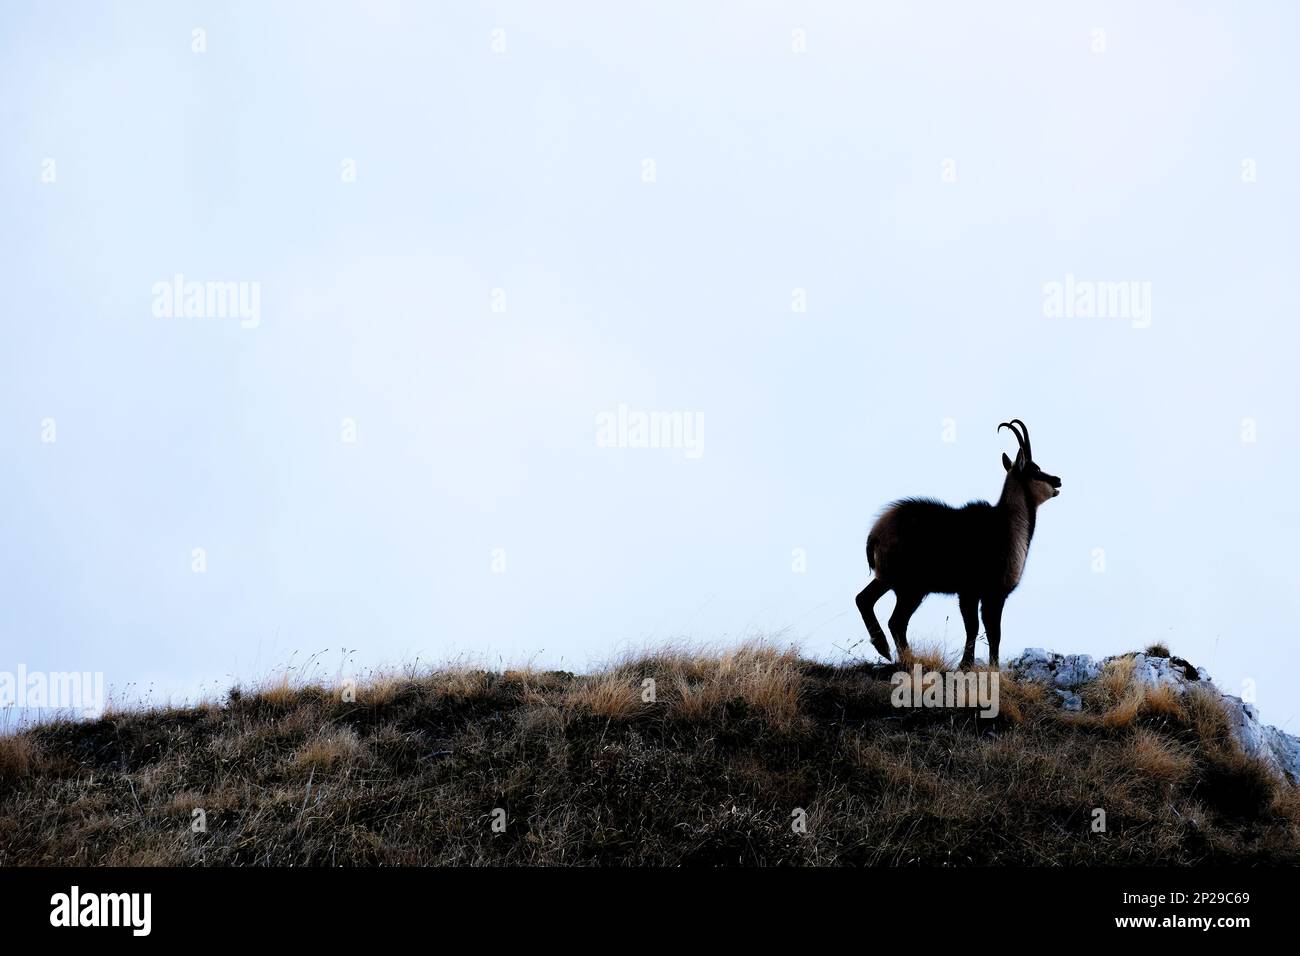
point(992, 611)
point(866, 600)
point(969, 604)
point(905, 607)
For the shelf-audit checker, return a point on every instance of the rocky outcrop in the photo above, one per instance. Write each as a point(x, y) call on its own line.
point(1069, 673)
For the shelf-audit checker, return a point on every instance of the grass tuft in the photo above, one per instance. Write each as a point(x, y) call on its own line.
point(17, 754)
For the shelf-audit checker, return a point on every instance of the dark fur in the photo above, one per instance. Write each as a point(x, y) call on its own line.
point(919, 546)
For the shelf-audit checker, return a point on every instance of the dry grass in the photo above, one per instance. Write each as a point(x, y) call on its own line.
point(16, 755)
point(1116, 694)
point(1207, 718)
point(931, 657)
point(611, 696)
point(463, 685)
point(1163, 701)
point(329, 749)
point(756, 680)
point(675, 757)
point(1157, 757)
point(1022, 701)
point(1118, 700)
point(280, 693)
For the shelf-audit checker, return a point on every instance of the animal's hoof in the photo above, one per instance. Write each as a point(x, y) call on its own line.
point(882, 646)
point(966, 663)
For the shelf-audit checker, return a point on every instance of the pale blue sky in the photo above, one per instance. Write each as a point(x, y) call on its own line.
point(522, 171)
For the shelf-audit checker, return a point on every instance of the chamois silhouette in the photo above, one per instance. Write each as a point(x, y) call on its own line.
point(919, 546)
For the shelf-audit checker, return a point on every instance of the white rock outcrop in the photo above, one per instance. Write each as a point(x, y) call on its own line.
point(1068, 673)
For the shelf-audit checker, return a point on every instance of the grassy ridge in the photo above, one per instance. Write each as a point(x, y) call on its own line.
point(713, 771)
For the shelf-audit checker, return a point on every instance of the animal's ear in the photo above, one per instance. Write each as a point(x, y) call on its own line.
point(1006, 462)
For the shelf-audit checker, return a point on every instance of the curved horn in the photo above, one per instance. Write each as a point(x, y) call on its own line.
point(1024, 450)
point(1029, 453)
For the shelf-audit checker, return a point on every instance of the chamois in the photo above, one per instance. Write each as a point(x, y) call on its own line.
point(920, 546)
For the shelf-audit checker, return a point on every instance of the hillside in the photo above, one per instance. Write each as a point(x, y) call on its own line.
point(752, 757)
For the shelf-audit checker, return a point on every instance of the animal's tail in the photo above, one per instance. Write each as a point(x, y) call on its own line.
point(871, 551)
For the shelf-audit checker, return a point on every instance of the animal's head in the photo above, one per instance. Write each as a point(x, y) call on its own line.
point(1038, 484)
